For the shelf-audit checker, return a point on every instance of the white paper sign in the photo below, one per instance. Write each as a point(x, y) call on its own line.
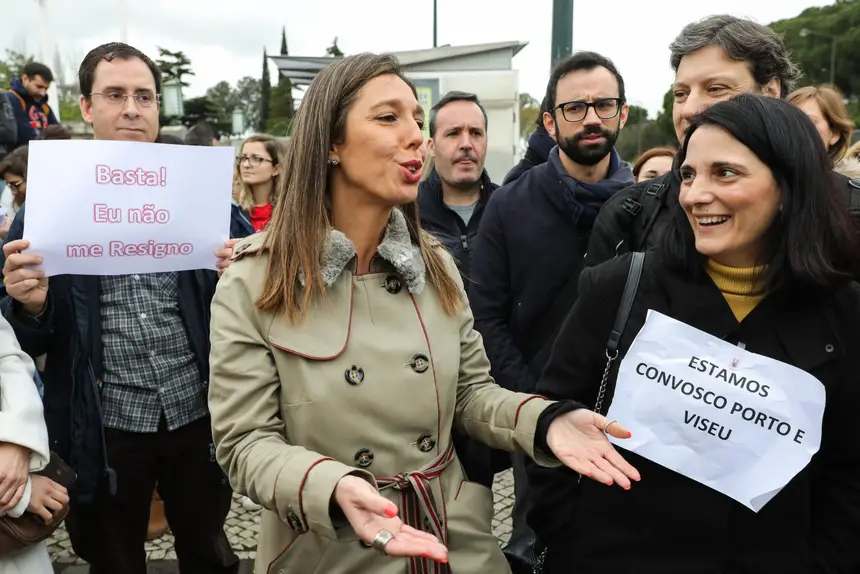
point(111, 207)
point(738, 422)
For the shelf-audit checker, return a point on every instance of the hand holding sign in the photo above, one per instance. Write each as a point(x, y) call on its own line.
point(579, 440)
point(26, 285)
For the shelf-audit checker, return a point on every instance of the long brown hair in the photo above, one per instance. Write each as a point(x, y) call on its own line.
point(830, 100)
point(241, 191)
point(301, 219)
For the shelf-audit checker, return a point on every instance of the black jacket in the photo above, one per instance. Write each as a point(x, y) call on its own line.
point(240, 223)
point(448, 227)
point(667, 523)
point(633, 219)
point(69, 333)
point(528, 247)
point(537, 152)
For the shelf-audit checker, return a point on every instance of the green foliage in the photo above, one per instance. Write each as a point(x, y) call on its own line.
point(640, 137)
point(69, 108)
point(281, 102)
point(11, 66)
point(174, 66)
point(636, 115)
point(280, 127)
point(810, 38)
point(529, 112)
point(665, 125)
point(265, 95)
point(203, 109)
point(249, 93)
point(333, 50)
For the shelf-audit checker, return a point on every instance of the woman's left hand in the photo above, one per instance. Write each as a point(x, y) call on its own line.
point(578, 440)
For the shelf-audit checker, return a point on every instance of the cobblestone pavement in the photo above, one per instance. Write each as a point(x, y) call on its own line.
point(242, 527)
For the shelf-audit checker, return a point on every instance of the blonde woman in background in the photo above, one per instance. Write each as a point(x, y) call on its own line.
point(825, 106)
point(258, 170)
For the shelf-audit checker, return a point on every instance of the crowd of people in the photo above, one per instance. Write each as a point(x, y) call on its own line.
point(388, 328)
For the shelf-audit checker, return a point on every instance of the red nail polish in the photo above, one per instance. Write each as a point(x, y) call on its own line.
point(391, 512)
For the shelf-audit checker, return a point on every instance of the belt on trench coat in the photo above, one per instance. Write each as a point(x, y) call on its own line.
point(418, 502)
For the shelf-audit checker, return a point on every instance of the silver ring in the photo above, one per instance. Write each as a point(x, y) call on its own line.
point(606, 428)
point(382, 538)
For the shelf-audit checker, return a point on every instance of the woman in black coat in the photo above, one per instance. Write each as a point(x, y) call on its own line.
point(760, 252)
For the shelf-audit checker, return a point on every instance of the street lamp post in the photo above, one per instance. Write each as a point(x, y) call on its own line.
point(562, 30)
point(807, 32)
point(46, 52)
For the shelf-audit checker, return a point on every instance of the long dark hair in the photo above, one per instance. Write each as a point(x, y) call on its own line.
point(813, 241)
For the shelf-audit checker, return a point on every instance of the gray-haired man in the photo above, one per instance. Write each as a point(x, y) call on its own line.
point(714, 59)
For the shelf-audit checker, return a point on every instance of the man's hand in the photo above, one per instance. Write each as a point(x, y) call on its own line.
point(14, 470)
point(225, 254)
point(5, 225)
point(27, 286)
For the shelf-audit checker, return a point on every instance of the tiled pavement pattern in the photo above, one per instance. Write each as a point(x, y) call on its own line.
point(242, 528)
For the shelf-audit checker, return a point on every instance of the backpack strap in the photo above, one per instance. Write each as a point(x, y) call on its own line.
point(20, 99)
point(854, 195)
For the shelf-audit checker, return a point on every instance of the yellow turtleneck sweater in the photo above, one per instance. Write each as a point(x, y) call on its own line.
point(738, 286)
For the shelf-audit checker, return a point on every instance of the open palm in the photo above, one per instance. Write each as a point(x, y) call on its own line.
point(578, 440)
point(368, 512)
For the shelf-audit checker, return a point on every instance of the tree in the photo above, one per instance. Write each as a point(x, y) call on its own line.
point(636, 115)
point(281, 103)
point(201, 110)
point(665, 124)
point(810, 38)
point(11, 66)
point(174, 66)
point(265, 95)
point(641, 134)
point(248, 95)
point(333, 50)
point(529, 112)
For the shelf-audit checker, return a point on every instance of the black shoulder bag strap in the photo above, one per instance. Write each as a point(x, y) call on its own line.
point(624, 308)
point(627, 298)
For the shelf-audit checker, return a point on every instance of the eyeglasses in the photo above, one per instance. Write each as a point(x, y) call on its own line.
point(253, 160)
point(605, 108)
point(119, 99)
point(17, 184)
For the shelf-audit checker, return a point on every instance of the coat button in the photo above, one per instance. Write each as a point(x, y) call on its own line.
point(393, 284)
point(296, 523)
point(354, 375)
point(364, 457)
point(419, 363)
point(426, 443)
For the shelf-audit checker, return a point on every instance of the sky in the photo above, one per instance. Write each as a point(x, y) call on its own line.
point(225, 39)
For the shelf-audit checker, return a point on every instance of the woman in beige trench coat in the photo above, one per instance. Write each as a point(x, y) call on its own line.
point(343, 354)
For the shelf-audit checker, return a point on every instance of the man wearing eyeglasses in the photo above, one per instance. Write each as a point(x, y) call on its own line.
point(126, 368)
point(534, 235)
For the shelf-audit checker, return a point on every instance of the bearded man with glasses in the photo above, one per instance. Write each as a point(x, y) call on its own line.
point(534, 235)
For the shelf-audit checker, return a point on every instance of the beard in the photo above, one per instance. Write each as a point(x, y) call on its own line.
point(585, 153)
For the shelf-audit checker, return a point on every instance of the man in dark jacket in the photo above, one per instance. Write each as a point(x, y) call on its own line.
point(537, 152)
point(127, 365)
point(451, 199)
point(28, 96)
point(714, 59)
point(535, 230)
point(451, 202)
